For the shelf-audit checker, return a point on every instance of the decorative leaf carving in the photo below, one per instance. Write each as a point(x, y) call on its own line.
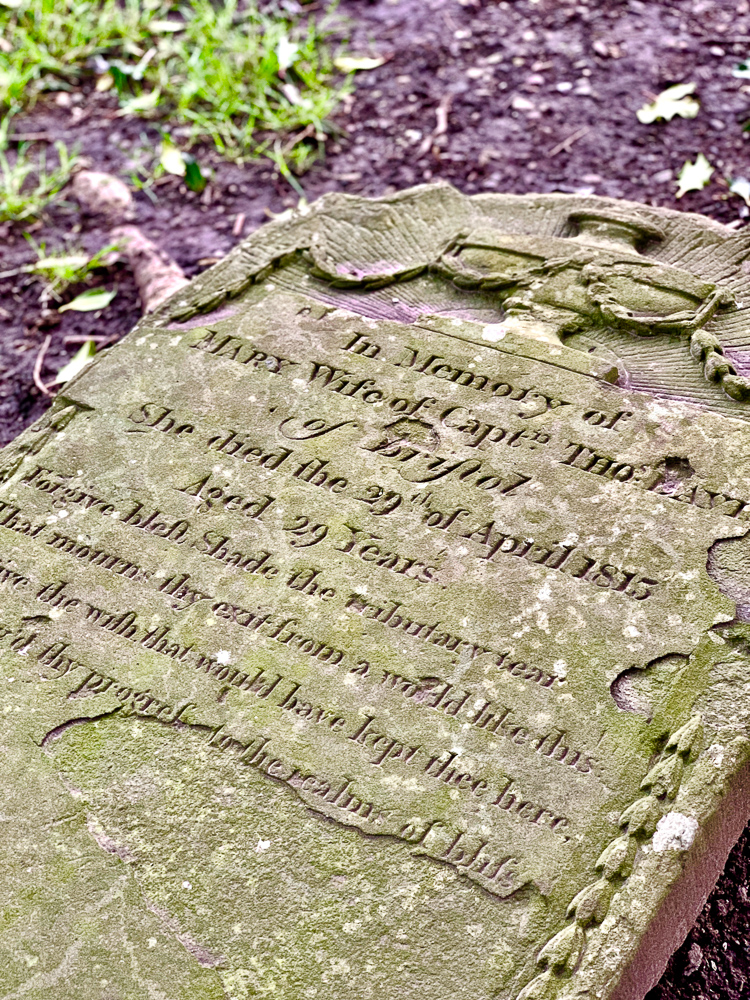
point(617, 858)
point(564, 950)
point(687, 739)
point(540, 988)
point(642, 816)
point(592, 902)
point(664, 778)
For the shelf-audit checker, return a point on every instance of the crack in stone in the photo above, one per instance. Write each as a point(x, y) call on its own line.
point(385, 835)
point(640, 689)
point(199, 952)
point(58, 731)
point(106, 842)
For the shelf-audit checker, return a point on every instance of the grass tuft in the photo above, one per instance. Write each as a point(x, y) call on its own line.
point(27, 185)
point(227, 71)
point(61, 269)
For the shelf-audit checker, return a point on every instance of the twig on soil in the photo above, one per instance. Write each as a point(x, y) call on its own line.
point(83, 339)
point(442, 115)
point(441, 127)
point(30, 137)
point(239, 225)
point(16, 271)
point(37, 374)
point(567, 143)
point(299, 137)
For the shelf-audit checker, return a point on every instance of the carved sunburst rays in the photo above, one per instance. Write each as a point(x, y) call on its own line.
point(573, 263)
point(378, 242)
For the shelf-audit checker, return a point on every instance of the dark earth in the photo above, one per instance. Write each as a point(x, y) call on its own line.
point(491, 96)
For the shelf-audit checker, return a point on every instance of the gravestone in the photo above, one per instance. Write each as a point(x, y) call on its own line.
point(376, 615)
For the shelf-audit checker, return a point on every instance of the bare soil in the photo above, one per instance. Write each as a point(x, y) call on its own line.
point(491, 96)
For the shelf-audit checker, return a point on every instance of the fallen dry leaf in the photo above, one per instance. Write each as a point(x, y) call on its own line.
point(670, 102)
point(350, 64)
point(90, 301)
point(694, 176)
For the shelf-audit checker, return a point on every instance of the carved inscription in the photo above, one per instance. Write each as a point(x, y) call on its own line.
point(426, 363)
point(288, 585)
point(472, 855)
point(314, 582)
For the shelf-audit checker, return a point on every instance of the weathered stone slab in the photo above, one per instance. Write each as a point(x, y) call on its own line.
point(375, 615)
